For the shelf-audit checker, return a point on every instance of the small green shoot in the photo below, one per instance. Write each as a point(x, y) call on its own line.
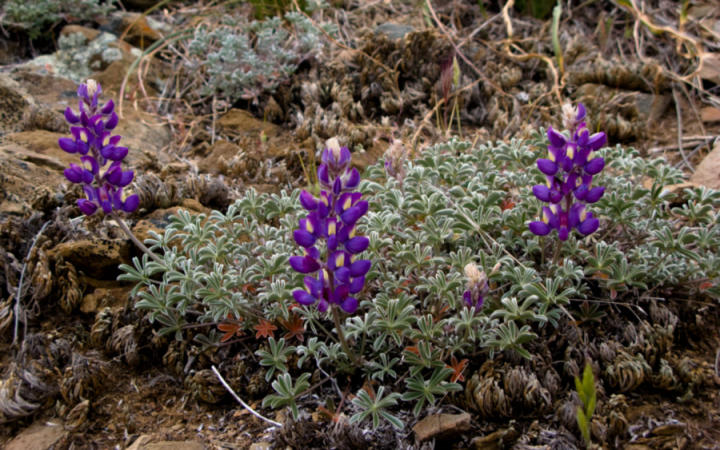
point(588, 397)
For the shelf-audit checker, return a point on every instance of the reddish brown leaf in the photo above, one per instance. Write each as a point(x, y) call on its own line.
point(705, 285)
point(413, 349)
point(507, 203)
point(231, 327)
point(264, 329)
point(295, 328)
point(458, 369)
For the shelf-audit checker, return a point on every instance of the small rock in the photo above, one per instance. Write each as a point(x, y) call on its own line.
point(260, 446)
point(140, 442)
point(15, 105)
point(710, 67)
point(707, 173)
point(137, 29)
point(89, 33)
point(97, 257)
point(38, 436)
point(710, 114)
point(439, 425)
point(394, 31)
point(82, 52)
point(496, 440)
point(221, 155)
point(103, 297)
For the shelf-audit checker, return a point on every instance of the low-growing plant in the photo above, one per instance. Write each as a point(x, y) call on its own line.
point(36, 16)
point(585, 389)
point(240, 59)
point(456, 273)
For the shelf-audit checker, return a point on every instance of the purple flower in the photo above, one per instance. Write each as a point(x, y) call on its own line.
point(476, 287)
point(92, 138)
point(569, 173)
point(331, 220)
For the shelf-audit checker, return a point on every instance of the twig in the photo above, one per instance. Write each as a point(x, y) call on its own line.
point(507, 44)
point(506, 18)
point(687, 141)
point(18, 294)
point(462, 56)
point(239, 400)
point(135, 240)
point(678, 114)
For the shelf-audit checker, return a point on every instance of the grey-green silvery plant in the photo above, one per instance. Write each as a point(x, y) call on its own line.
point(38, 16)
point(241, 60)
point(413, 331)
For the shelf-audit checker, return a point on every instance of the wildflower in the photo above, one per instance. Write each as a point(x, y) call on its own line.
point(476, 286)
point(395, 157)
point(569, 171)
point(334, 271)
point(100, 171)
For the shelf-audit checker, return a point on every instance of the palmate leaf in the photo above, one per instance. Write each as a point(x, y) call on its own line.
point(231, 327)
point(295, 328)
point(287, 393)
point(264, 329)
point(276, 358)
point(421, 390)
point(374, 405)
point(458, 368)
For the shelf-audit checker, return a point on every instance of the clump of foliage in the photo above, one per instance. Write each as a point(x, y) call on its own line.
point(36, 16)
point(240, 59)
point(588, 397)
point(457, 276)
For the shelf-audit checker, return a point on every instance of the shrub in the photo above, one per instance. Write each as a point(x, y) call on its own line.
point(37, 15)
point(415, 331)
point(241, 60)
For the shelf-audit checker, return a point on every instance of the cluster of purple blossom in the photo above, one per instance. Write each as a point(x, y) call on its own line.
point(327, 232)
point(569, 172)
point(93, 140)
point(331, 219)
point(476, 287)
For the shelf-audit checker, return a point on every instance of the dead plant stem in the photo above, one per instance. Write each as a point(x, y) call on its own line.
point(135, 240)
point(18, 294)
point(239, 400)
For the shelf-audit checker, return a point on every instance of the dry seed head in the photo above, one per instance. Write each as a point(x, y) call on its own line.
point(91, 87)
point(569, 115)
point(334, 146)
point(474, 275)
point(396, 151)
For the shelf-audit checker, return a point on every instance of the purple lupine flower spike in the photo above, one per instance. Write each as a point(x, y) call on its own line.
point(331, 220)
point(92, 138)
point(569, 171)
point(476, 287)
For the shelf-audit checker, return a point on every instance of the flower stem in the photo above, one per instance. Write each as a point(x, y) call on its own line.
point(135, 240)
point(341, 336)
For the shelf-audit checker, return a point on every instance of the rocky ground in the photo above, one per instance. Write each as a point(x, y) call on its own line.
point(82, 369)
